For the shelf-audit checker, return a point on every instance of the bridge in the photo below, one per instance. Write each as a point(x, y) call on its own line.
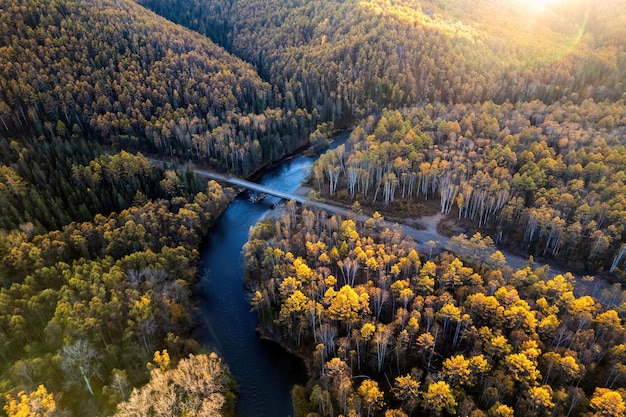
point(269, 191)
point(422, 237)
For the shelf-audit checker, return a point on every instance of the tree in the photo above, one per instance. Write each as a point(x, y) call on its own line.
point(293, 308)
point(347, 305)
point(426, 345)
point(197, 386)
point(381, 340)
point(438, 398)
point(338, 376)
point(395, 413)
point(522, 369)
point(38, 403)
point(406, 389)
point(118, 388)
point(501, 410)
point(617, 372)
point(322, 399)
point(607, 403)
point(456, 370)
point(539, 399)
point(371, 395)
point(79, 361)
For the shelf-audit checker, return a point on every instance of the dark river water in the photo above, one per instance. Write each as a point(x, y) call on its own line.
point(265, 373)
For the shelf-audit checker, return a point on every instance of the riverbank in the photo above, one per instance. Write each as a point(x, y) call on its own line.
point(264, 371)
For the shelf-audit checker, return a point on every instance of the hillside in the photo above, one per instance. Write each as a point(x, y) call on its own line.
point(116, 73)
point(352, 58)
point(99, 247)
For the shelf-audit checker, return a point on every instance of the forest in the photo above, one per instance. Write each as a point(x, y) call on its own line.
point(118, 73)
point(546, 180)
point(98, 246)
point(84, 308)
point(387, 330)
point(509, 119)
point(353, 58)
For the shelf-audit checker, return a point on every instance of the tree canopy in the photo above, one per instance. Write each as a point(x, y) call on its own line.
point(436, 336)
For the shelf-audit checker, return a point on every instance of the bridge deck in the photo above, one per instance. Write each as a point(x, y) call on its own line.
point(270, 191)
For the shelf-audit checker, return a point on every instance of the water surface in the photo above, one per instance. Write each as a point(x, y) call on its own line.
point(265, 373)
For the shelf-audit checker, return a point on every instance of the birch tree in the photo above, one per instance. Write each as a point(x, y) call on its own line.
point(80, 363)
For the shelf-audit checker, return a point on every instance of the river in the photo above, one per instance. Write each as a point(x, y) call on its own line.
point(265, 373)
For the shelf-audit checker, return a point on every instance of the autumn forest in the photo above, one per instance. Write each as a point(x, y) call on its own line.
point(506, 119)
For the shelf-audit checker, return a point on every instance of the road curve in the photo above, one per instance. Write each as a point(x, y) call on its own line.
point(421, 237)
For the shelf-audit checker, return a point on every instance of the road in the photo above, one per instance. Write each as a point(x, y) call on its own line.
point(421, 236)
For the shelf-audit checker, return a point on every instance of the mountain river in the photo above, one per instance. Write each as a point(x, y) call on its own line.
point(265, 373)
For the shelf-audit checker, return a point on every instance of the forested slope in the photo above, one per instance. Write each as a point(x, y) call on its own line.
point(352, 58)
point(544, 179)
point(99, 247)
point(84, 308)
point(114, 72)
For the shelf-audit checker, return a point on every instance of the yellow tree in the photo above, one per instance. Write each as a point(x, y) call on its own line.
point(582, 310)
point(371, 395)
point(426, 346)
point(406, 389)
point(609, 326)
point(456, 370)
point(161, 360)
point(497, 346)
point(292, 312)
point(38, 403)
point(607, 403)
point(448, 313)
point(539, 399)
point(395, 413)
point(500, 410)
point(347, 306)
point(438, 398)
point(425, 281)
point(522, 369)
point(478, 366)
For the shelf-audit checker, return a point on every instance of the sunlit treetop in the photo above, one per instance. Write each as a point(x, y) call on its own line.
point(535, 31)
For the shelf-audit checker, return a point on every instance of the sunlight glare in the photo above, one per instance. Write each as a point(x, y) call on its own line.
point(537, 6)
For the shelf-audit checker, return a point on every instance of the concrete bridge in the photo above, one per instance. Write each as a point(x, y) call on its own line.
point(422, 237)
point(269, 191)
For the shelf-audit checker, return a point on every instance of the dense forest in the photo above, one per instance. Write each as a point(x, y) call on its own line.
point(544, 179)
point(84, 308)
point(99, 247)
point(353, 58)
point(387, 331)
point(116, 72)
point(510, 117)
